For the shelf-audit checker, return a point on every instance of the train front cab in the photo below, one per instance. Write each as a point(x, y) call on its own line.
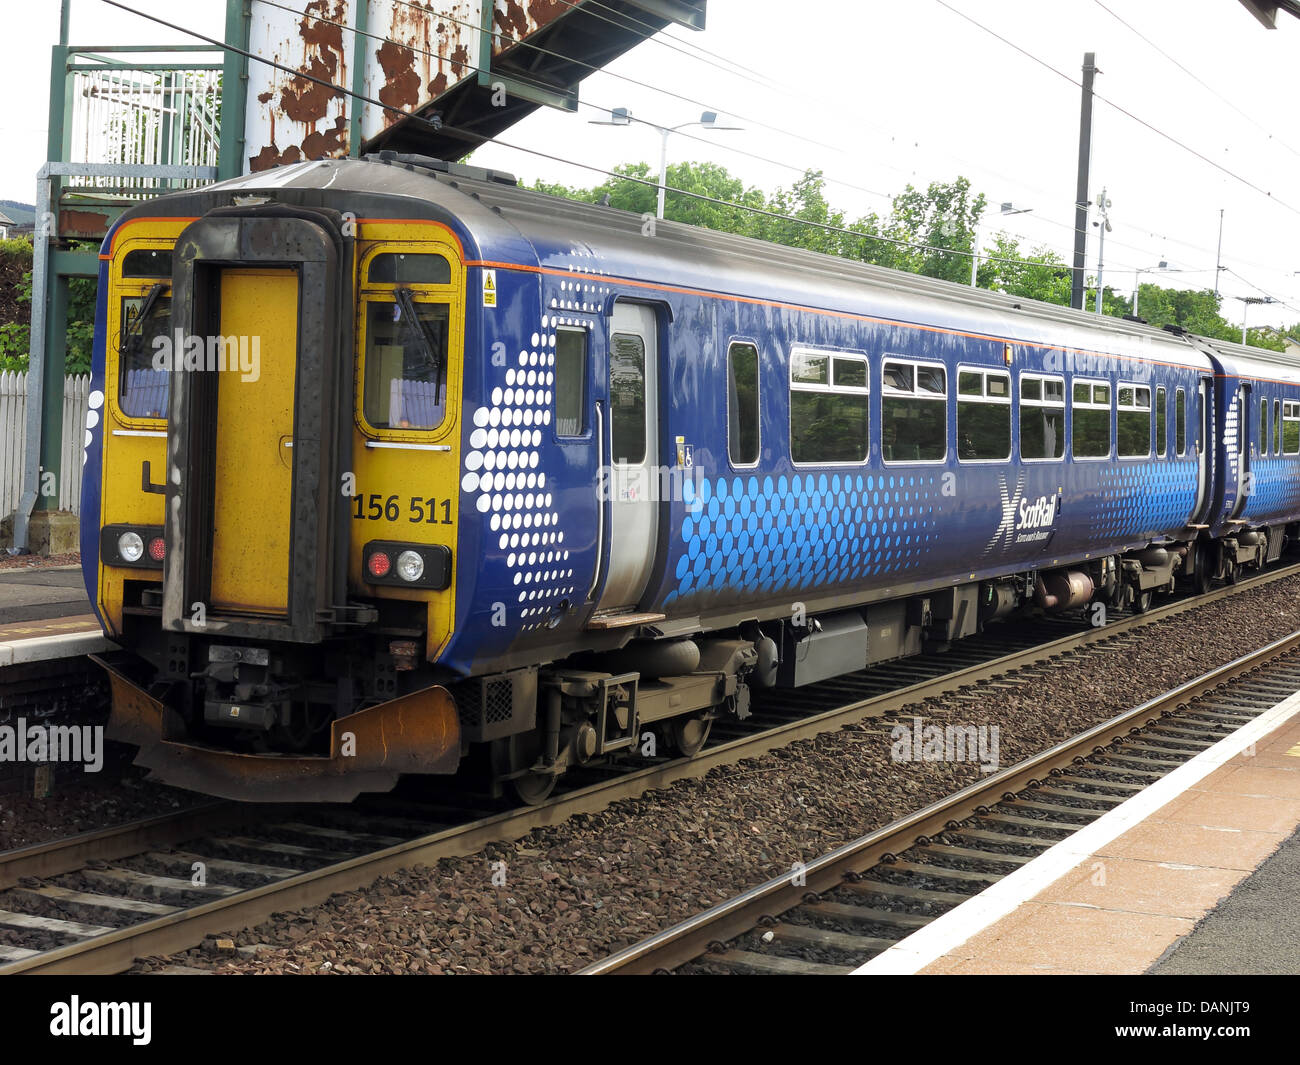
point(278, 502)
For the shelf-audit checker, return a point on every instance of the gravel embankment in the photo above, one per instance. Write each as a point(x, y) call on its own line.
point(578, 890)
point(85, 807)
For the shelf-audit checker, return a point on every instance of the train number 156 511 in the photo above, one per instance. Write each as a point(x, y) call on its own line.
point(430, 511)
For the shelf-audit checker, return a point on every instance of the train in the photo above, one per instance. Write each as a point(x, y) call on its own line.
point(395, 468)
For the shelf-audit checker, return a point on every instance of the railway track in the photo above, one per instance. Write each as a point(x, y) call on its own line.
point(860, 899)
point(93, 903)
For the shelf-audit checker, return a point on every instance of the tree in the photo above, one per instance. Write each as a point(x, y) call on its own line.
point(930, 232)
point(945, 216)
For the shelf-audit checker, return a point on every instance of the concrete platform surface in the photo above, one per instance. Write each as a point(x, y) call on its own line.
point(38, 594)
point(1255, 931)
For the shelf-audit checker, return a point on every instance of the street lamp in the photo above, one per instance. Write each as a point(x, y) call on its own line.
point(1137, 277)
point(1247, 302)
point(1008, 208)
point(1103, 202)
point(621, 116)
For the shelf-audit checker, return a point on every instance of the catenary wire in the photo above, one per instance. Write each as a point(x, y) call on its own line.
point(481, 139)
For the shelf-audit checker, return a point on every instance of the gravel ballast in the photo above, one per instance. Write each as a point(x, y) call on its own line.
point(568, 894)
point(99, 803)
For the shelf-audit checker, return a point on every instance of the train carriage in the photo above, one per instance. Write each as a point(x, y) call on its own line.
point(399, 468)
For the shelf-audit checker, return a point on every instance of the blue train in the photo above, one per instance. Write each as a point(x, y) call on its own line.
point(402, 469)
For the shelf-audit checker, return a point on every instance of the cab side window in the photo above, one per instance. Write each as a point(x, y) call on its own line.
point(404, 385)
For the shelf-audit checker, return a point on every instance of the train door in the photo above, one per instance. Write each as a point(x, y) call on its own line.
point(253, 486)
point(632, 438)
point(1203, 450)
point(1242, 458)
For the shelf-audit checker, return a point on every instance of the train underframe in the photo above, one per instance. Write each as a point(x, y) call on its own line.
point(325, 722)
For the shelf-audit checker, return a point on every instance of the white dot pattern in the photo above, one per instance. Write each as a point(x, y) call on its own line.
point(584, 290)
point(501, 471)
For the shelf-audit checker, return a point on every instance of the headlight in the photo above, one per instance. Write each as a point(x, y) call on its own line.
point(405, 565)
point(410, 566)
point(130, 546)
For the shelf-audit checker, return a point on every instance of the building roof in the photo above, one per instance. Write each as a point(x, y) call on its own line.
point(5, 220)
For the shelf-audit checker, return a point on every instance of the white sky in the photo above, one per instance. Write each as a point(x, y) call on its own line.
point(910, 92)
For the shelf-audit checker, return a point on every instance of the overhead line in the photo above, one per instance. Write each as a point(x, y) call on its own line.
point(438, 125)
point(1122, 110)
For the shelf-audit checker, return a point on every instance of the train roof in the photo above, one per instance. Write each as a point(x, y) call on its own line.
point(507, 223)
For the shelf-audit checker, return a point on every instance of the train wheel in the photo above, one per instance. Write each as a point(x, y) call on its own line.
point(534, 788)
point(1142, 603)
point(690, 734)
point(1232, 574)
point(1201, 579)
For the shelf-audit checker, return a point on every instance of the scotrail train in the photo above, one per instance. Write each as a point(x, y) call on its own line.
point(514, 483)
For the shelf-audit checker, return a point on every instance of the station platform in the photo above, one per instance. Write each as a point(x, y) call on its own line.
point(44, 614)
point(1196, 874)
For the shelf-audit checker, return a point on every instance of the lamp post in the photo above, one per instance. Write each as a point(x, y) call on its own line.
point(621, 116)
point(1007, 209)
point(1103, 202)
point(1137, 280)
point(1247, 302)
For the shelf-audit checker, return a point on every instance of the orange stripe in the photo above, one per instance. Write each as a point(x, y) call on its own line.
point(128, 224)
point(781, 304)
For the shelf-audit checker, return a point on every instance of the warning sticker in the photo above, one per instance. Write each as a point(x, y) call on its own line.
point(489, 288)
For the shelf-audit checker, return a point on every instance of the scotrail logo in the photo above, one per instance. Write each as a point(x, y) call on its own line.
point(179, 353)
point(1035, 520)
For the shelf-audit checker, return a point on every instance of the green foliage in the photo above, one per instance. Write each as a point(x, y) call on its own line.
point(14, 340)
point(15, 312)
point(945, 216)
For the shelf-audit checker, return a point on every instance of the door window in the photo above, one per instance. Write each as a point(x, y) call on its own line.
point(627, 399)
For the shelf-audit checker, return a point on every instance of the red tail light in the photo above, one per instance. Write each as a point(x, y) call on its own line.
point(157, 549)
point(380, 564)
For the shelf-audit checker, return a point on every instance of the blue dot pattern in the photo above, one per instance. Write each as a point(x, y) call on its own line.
point(804, 531)
point(1275, 492)
point(1142, 498)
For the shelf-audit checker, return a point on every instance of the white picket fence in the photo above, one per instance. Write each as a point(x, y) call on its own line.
point(13, 439)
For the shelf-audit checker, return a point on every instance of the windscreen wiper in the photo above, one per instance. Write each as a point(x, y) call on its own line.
point(431, 359)
point(137, 323)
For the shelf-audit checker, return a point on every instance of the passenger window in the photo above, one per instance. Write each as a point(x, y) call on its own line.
point(1263, 427)
point(142, 390)
point(1290, 428)
point(1134, 420)
point(627, 398)
point(828, 408)
point(983, 415)
point(1180, 422)
point(1277, 427)
point(1091, 420)
point(1042, 417)
point(914, 413)
point(742, 404)
point(405, 383)
point(1161, 427)
point(570, 381)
